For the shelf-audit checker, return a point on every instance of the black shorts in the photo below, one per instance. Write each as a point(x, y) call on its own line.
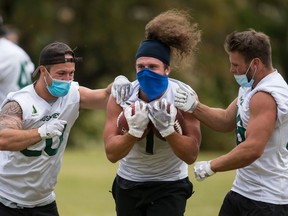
point(151, 198)
point(238, 205)
point(47, 210)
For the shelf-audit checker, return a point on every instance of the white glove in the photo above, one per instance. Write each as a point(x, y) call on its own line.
point(137, 121)
point(52, 128)
point(202, 170)
point(121, 89)
point(161, 119)
point(186, 98)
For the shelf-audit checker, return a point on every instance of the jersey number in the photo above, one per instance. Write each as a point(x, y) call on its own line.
point(24, 79)
point(48, 147)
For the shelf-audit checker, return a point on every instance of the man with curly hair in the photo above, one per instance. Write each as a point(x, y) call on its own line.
point(152, 178)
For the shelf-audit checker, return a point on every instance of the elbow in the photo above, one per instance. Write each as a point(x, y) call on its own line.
point(112, 158)
point(253, 156)
point(191, 160)
point(3, 143)
point(194, 154)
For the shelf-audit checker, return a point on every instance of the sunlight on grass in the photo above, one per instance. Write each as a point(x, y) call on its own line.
point(86, 178)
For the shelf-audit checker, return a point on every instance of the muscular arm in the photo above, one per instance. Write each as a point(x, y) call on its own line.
point(116, 146)
point(12, 135)
point(223, 120)
point(186, 146)
point(94, 99)
point(263, 114)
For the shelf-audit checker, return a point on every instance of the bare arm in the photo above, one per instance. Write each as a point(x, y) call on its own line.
point(117, 145)
point(186, 146)
point(263, 113)
point(94, 99)
point(12, 135)
point(223, 120)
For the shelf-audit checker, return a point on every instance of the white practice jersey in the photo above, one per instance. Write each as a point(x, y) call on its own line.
point(15, 68)
point(266, 179)
point(28, 177)
point(159, 163)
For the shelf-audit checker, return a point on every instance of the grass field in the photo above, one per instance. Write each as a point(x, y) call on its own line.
point(86, 177)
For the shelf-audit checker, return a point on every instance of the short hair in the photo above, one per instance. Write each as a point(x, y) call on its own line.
point(250, 44)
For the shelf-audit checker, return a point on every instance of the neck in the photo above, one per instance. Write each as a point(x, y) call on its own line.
point(262, 73)
point(42, 91)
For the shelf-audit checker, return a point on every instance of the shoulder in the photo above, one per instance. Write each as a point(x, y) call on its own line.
point(273, 84)
point(177, 83)
point(262, 101)
point(11, 47)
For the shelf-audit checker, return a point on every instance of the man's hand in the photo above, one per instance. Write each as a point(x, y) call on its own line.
point(121, 89)
point(52, 128)
point(202, 170)
point(186, 98)
point(162, 120)
point(138, 121)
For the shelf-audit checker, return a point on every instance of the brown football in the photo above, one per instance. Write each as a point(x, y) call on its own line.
point(123, 127)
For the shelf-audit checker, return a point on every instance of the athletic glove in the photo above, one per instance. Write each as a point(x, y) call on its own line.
point(162, 119)
point(121, 89)
point(202, 170)
point(52, 128)
point(186, 98)
point(137, 121)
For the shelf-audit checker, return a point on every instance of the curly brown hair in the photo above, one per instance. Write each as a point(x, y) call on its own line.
point(175, 29)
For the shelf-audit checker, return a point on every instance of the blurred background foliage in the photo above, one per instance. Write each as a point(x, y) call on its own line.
point(106, 33)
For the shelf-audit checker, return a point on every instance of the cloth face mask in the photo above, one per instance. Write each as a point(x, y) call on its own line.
point(151, 83)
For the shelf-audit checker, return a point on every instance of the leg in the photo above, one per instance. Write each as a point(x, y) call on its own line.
point(228, 207)
point(170, 198)
point(47, 210)
point(126, 201)
point(6, 211)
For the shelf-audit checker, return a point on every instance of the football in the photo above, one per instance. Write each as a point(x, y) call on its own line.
point(123, 127)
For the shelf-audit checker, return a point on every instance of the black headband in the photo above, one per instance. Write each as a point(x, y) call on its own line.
point(155, 49)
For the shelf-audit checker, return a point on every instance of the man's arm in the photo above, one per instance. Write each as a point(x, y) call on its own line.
point(187, 146)
point(117, 145)
point(222, 120)
point(263, 114)
point(12, 135)
point(218, 119)
point(94, 99)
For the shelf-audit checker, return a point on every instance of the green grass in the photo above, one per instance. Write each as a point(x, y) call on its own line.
point(86, 178)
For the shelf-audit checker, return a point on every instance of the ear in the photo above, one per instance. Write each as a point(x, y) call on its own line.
point(256, 63)
point(42, 70)
point(167, 71)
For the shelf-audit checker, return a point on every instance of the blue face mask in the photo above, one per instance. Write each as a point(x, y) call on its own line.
point(242, 79)
point(58, 88)
point(151, 83)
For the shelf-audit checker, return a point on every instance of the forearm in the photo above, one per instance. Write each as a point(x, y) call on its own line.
point(117, 147)
point(17, 140)
point(94, 99)
point(184, 147)
point(214, 118)
point(237, 158)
